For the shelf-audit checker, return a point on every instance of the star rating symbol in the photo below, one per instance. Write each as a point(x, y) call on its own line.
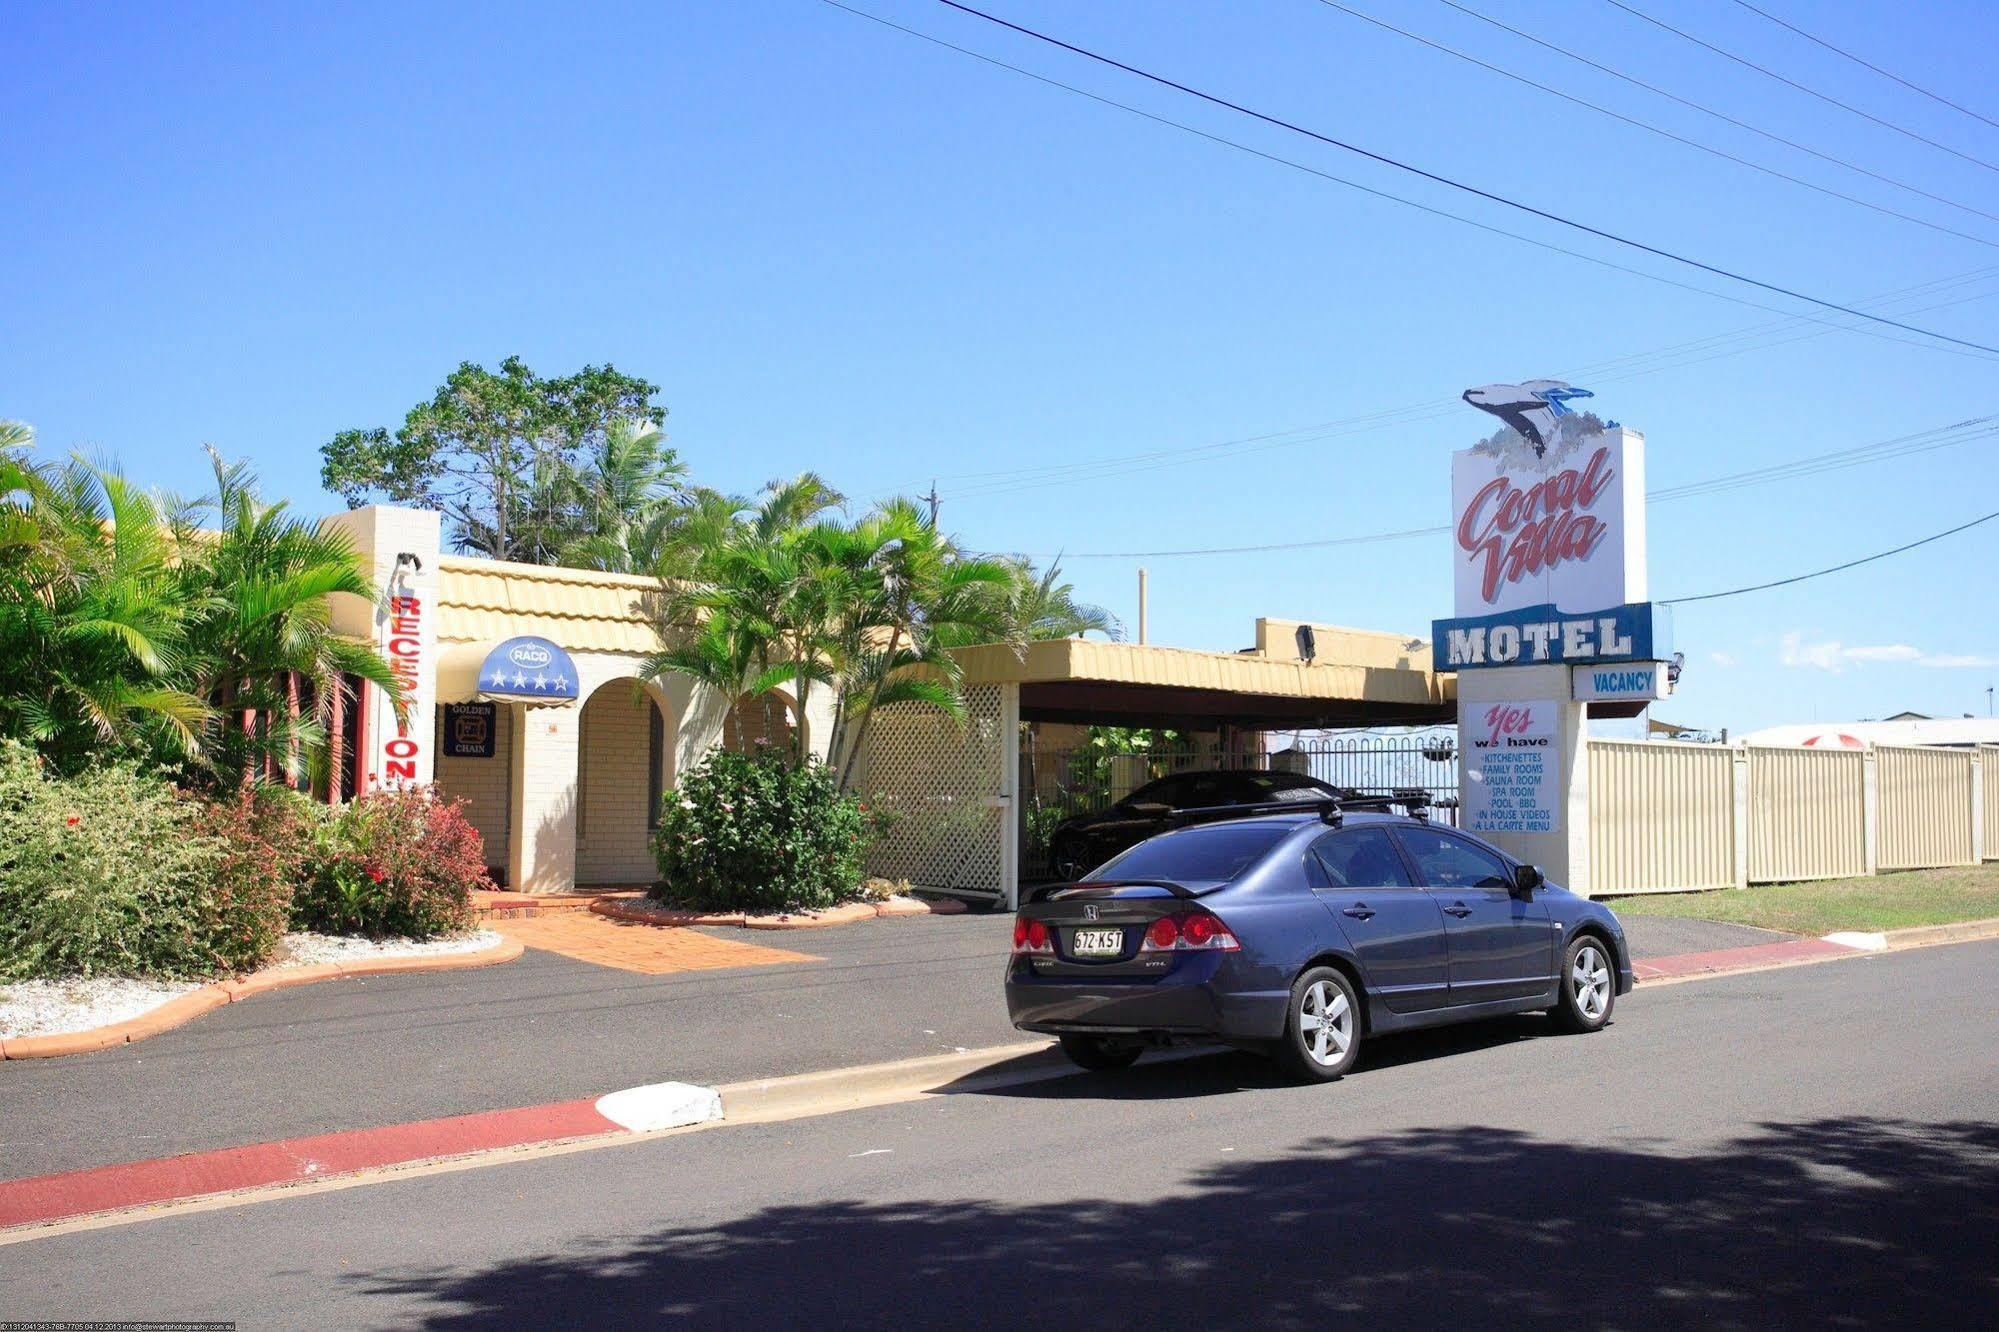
point(520, 680)
point(561, 684)
point(540, 682)
point(498, 679)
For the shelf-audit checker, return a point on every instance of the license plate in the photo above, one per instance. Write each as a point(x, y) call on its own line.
point(1097, 943)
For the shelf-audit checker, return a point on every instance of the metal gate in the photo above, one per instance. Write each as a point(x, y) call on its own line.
point(1058, 784)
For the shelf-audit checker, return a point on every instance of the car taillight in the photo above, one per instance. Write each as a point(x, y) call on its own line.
point(1189, 931)
point(1031, 936)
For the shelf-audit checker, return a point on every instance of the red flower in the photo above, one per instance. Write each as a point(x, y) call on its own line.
point(376, 874)
point(73, 820)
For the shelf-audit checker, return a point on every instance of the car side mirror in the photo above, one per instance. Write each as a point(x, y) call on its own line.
point(1150, 809)
point(1526, 878)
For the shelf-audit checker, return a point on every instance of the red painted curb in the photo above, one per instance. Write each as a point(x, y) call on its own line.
point(47, 1198)
point(1738, 959)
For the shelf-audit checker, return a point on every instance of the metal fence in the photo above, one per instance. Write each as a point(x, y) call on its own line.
point(1666, 817)
point(1062, 783)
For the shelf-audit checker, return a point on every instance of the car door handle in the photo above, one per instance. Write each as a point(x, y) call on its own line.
point(1359, 911)
point(1458, 909)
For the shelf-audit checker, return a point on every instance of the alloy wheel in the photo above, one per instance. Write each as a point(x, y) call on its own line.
point(1325, 1019)
point(1589, 982)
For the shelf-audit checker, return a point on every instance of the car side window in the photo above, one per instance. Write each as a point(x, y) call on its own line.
point(1165, 791)
point(1206, 790)
point(1361, 858)
point(1451, 862)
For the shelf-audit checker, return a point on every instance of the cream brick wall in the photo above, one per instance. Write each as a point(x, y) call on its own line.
point(612, 832)
point(485, 785)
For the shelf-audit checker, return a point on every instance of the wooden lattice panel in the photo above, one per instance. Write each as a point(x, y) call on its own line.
point(938, 779)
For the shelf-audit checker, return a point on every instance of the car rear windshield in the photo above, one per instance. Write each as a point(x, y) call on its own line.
point(1216, 853)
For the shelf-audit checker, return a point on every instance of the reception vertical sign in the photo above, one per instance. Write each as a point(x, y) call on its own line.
point(1512, 767)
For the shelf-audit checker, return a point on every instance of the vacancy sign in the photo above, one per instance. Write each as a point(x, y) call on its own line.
point(1642, 681)
point(1510, 767)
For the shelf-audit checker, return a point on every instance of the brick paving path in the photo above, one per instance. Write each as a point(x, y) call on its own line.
point(651, 950)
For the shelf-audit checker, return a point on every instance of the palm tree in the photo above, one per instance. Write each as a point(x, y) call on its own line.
point(742, 603)
point(912, 595)
point(628, 495)
point(93, 621)
point(266, 656)
point(1042, 606)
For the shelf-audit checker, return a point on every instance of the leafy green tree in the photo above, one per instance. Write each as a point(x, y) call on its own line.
point(496, 453)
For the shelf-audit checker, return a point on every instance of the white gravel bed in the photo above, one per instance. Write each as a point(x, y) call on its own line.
point(51, 1007)
point(304, 949)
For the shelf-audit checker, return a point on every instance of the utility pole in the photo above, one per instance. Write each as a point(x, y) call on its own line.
point(934, 500)
point(1141, 606)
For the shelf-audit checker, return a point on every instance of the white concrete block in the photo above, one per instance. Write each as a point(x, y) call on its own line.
point(661, 1105)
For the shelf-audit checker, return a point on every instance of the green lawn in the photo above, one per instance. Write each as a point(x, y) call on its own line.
point(1884, 902)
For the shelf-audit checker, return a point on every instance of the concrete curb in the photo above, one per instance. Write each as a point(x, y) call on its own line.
point(185, 1008)
point(1922, 936)
point(799, 1095)
point(850, 914)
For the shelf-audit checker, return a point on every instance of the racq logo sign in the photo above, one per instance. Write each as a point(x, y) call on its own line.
point(529, 656)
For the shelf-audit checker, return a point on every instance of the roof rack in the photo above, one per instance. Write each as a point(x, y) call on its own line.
point(1413, 801)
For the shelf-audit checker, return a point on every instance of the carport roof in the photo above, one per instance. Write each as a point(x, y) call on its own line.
point(1082, 680)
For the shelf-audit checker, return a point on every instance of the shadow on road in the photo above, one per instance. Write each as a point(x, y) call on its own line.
point(1835, 1221)
point(1214, 1070)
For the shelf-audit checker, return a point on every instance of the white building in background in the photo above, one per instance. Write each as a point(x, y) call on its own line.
point(1948, 732)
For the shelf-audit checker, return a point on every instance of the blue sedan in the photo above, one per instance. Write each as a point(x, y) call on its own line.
point(1301, 933)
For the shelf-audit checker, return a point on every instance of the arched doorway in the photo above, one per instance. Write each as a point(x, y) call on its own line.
point(621, 774)
point(758, 723)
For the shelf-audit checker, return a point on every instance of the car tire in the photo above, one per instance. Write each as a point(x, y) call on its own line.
point(1586, 986)
point(1322, 1026)
point(1103, 1054)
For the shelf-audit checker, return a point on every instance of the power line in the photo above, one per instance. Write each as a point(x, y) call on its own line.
point(1650, 128)
point(1488, 195)
point(1723, 116)
point(1009, 480)
point(1793, 83)
point(1388, 195)
point(1865, 64)
point(1837, 568)
point(1923, 441)
point(1438, 409)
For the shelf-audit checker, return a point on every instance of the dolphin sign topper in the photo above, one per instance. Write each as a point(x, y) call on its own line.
point(1548, 526)
point(1536, 409)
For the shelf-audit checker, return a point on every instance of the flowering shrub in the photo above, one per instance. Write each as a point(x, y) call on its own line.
point(266, 838)
point(106, 873)
point(754, 833)
point(393, 863)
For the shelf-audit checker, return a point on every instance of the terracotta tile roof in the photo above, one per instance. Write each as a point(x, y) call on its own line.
point(583, 610)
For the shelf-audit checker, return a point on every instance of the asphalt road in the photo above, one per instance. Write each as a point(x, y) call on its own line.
point(389, 1049)
point(1785, 1148)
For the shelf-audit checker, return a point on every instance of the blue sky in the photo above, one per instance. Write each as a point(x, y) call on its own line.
point(837, 247)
